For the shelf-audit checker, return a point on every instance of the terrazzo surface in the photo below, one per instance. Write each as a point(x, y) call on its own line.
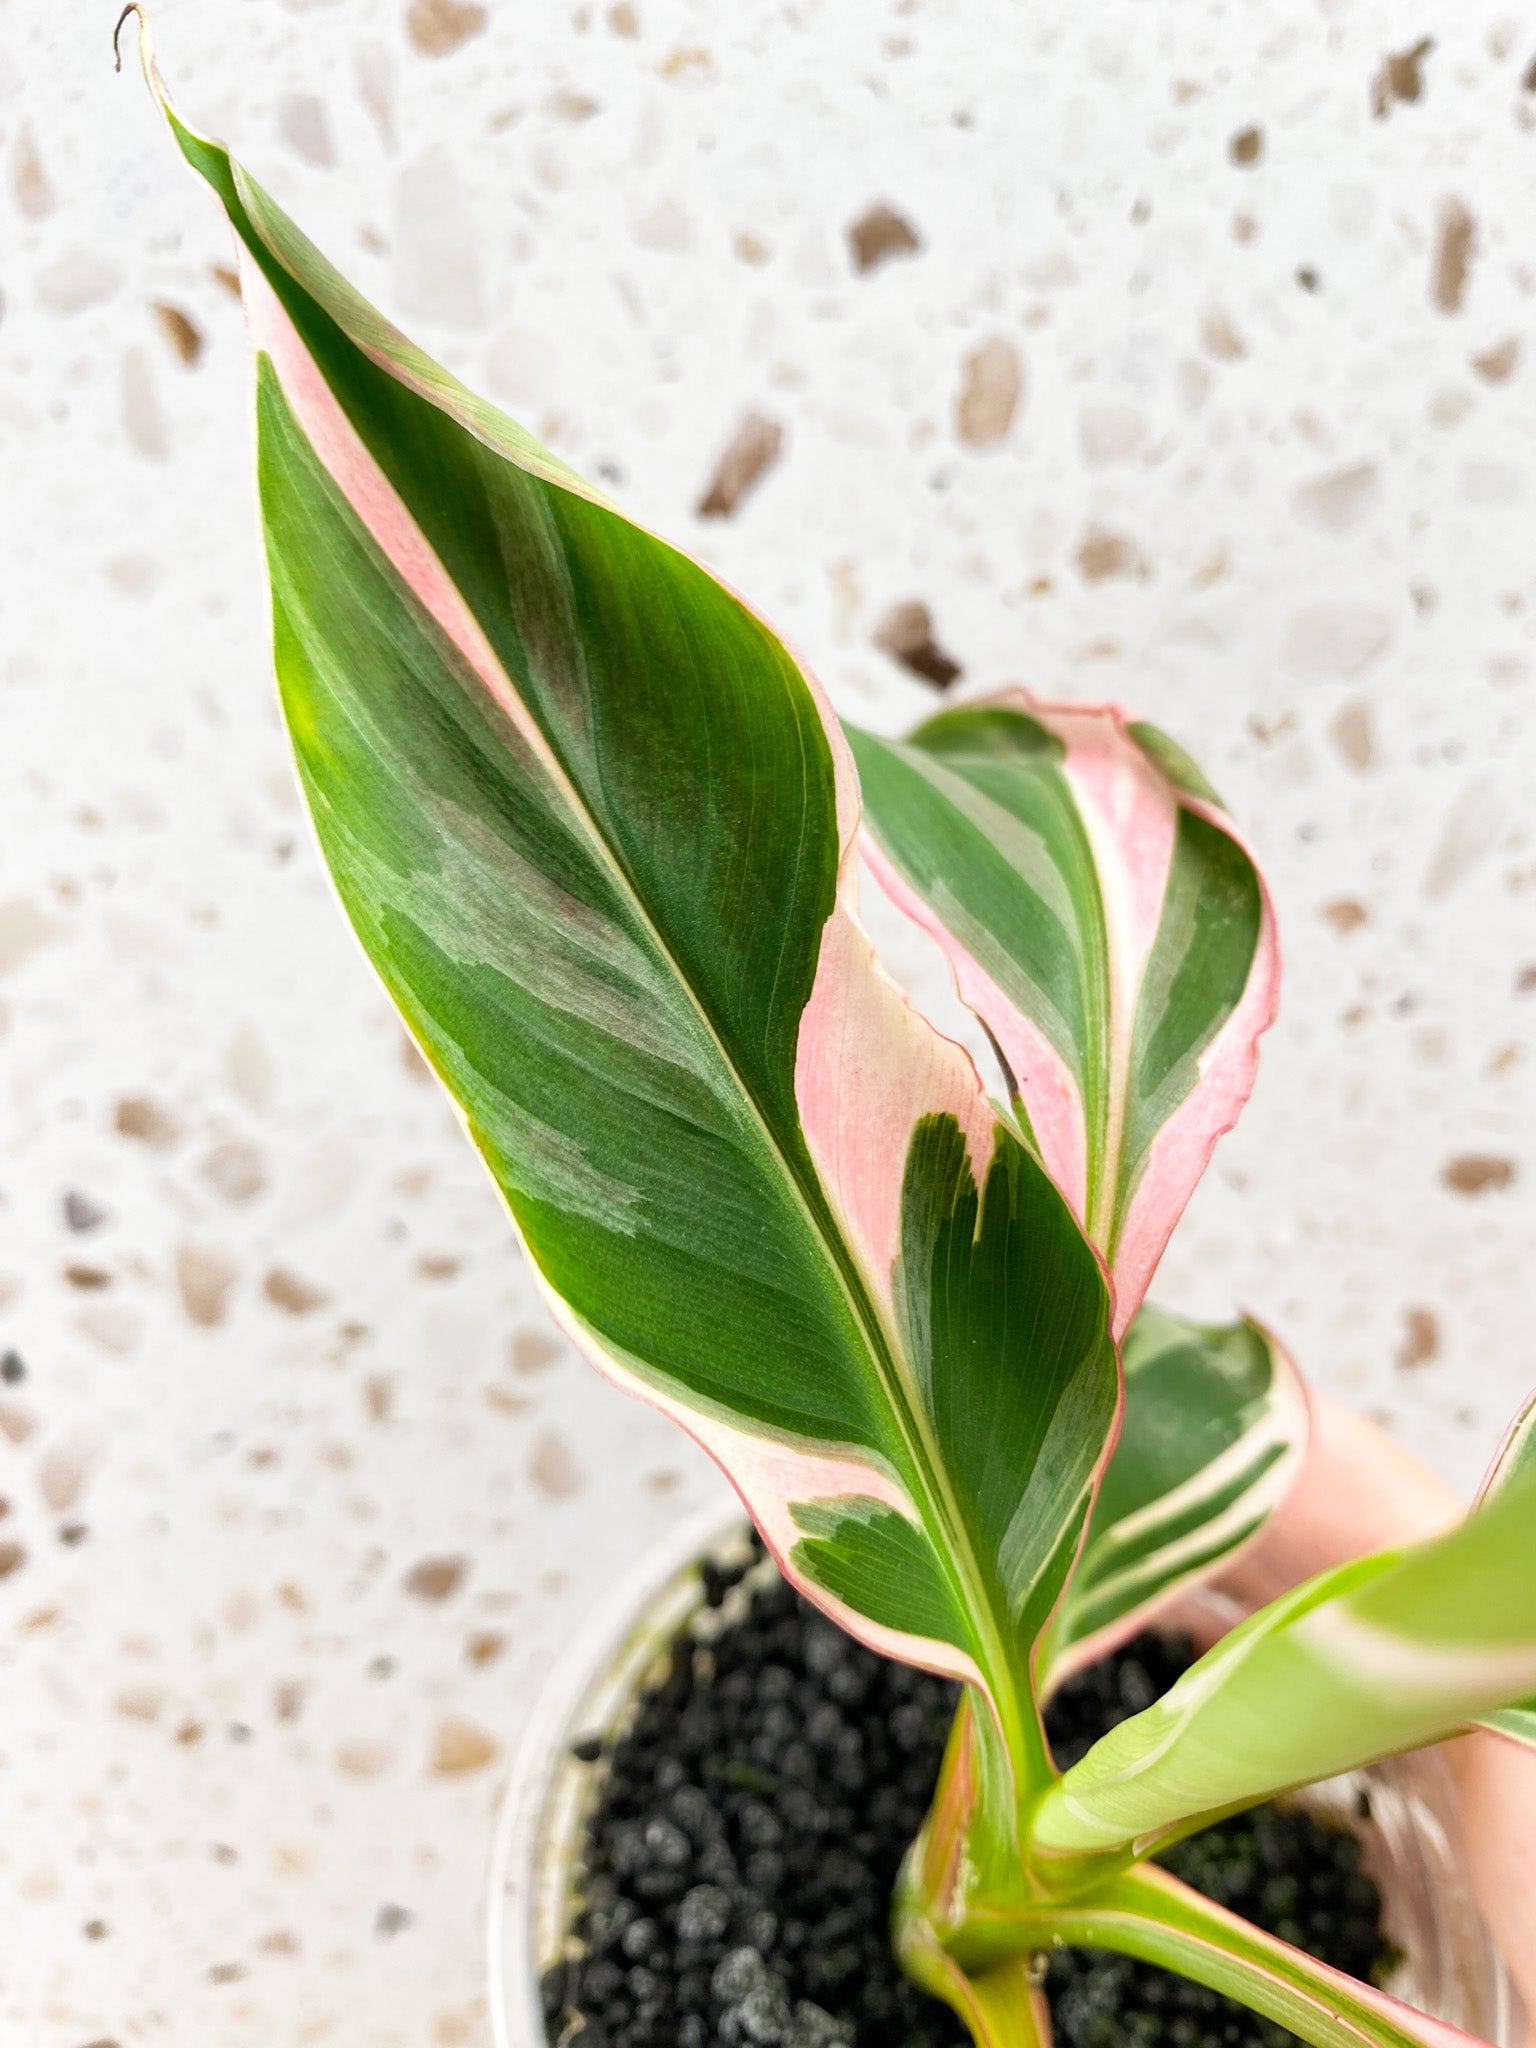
point(1174, 353)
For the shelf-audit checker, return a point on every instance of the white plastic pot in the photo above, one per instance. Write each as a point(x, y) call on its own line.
point(1416, 1840)
point(538, 1827)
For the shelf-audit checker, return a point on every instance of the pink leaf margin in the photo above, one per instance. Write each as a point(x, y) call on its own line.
point(1516, 1452)
point(868, 1065)
point(1332, 1992)
point(1130, 812)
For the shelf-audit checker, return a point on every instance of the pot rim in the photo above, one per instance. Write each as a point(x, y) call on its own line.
point(596, 1647)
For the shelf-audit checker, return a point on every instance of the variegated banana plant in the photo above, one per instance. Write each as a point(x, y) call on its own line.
point(598, 830)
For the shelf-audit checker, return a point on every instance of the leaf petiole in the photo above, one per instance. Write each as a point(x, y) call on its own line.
point(1146, 1913)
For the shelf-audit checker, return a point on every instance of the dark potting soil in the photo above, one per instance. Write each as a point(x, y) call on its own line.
point(747, 1832)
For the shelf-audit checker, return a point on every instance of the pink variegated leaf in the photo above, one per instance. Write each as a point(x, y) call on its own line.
point(596, 830)
point(1215, 1433)
point(1107, 924)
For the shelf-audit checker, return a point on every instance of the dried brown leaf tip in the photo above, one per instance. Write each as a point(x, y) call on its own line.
point(1421, 1338)
point(1401, 78)
point(1455, 241)
point(990, 394)
point(1478, 1173)
point(878, 235)
point(906, 635)
point(754, 448)
point(437, 26)
point(1246, 147)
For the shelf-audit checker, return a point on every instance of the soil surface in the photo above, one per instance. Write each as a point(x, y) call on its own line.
point(740, 1859)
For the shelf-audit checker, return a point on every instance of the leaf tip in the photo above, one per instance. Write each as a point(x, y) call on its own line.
point(147, 62)
point(133, 7)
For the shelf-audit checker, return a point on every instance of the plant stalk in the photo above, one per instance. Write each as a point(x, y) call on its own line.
point(1146, 1913)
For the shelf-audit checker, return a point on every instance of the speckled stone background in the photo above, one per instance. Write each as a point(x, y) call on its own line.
point(1209, 384)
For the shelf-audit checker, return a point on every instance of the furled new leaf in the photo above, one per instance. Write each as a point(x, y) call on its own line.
point(1515, 1458)
point(1214, 1432)
point(1106, 923)
point(596, 831)
point(1381, 1655)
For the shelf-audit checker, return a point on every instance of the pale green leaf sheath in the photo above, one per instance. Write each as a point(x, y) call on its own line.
point(1215, 1430)
point(1516, 1457)
point(596, 830)
point(1150, 1915)
point(1106, 923)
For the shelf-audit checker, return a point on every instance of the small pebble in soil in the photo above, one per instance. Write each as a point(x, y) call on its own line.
point(748, 1829)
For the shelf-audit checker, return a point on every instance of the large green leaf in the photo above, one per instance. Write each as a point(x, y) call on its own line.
point(1107, 924)
point(596, 831)
point(1381, 1655)
point(1214, 1433)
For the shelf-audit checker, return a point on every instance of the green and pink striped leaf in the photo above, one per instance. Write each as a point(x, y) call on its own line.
point(1377, 1656)
point(1514, 1460)
point(1107, 924)
point(596, 830)
point(1215, 1430)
